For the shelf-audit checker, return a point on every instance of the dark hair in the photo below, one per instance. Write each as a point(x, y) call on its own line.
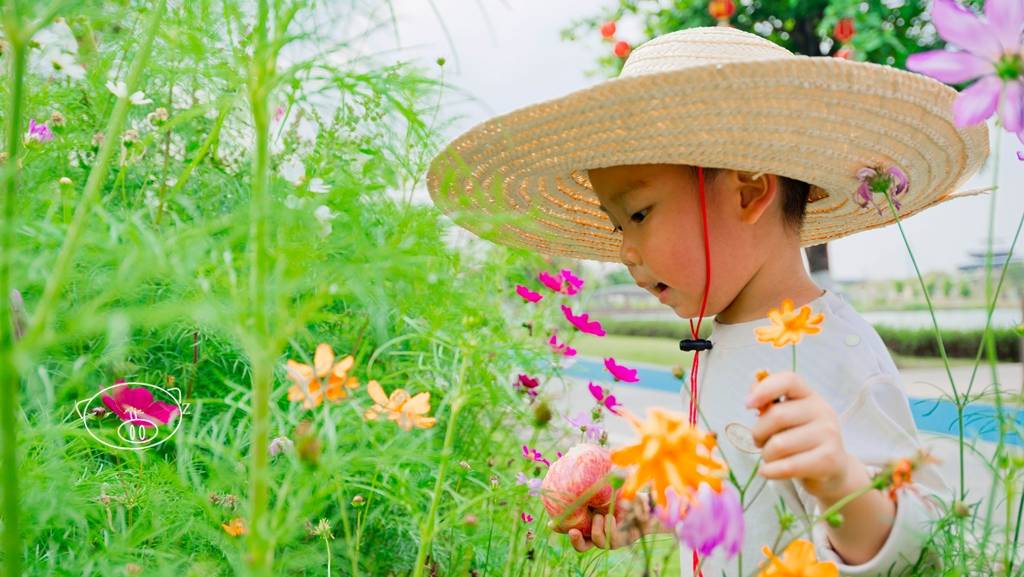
point(794, 200)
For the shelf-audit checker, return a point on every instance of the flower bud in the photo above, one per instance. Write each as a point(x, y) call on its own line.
point(65, 181)
point(834, 519)
point(358, 501)
point(57, 119)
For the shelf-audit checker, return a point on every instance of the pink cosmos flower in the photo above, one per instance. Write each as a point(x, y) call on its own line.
point(526, 517)
point(552, 282)
point(990, 51)
point(586, 425)
point(535, 456)
point(38, 132)
point(532, 484)
point(527, 294)
point(563, 348)
point(136, 405)
point(891, 181)
point(573, 283)
point(565, 282)
point(583, 322)
point(527, 384)
point(620, 372)
point(710, 521)
point(609, 401)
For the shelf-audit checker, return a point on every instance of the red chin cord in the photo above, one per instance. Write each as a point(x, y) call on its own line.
point(695, 329)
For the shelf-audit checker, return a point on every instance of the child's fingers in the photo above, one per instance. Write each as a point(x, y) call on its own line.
point(809, 464)
point(780, 417)
point(597, 531)
point(789, 385)
point(578, 541)
point(791, 441)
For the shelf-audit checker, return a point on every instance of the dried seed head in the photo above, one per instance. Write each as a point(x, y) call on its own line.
point(57, 119)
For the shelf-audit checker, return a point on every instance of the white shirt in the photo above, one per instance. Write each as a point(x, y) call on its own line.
point(850, 367)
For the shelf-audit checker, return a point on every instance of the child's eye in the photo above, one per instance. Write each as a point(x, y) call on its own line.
point(639, 216)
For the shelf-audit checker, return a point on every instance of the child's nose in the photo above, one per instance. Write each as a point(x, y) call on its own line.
point(629, 254)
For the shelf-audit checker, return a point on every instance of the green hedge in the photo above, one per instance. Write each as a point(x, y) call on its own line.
point(908, 342)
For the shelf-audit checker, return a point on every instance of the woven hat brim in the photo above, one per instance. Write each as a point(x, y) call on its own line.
point(818, 120)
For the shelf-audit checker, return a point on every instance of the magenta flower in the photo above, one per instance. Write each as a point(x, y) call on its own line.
point(552, 282)
point(891, 181)
point(583, 322)
point(38, 132)
point(586, 425)
point(136, 405)
point(533, 484)
point(573, 283)
point(565, 282)
point(620, 372)
point(527, 294)
point(562, 348)
point(527, 384)
point(526, 517)
point(709, 521)
point(990, 51)
point(535, 456)
point(609, 401)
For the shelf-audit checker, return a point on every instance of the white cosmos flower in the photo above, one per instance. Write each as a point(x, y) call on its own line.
point(317, 185)
point(55, 63)
point(120, 90)
point(324, 215)
point(293, 171)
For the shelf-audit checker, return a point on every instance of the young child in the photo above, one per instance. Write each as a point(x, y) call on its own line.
point(704, 168)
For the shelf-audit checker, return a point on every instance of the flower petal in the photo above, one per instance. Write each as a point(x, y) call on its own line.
point(1006, 19)
point(963, 28)
point(977, 102)
point(323, 359)
point(1012, 113)
point(950, 67)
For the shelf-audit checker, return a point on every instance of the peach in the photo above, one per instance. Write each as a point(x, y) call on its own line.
point(574, 474)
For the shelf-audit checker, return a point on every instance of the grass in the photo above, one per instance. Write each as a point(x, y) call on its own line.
point(651, 350)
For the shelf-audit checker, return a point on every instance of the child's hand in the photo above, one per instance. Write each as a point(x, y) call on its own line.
point(800, 436)
point(599, 534)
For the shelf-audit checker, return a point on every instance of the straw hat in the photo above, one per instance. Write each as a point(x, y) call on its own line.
point(712, 97)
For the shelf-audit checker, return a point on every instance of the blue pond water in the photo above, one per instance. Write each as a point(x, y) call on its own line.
point(932, 415)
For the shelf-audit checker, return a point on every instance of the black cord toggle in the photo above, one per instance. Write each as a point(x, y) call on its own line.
point(694, 345)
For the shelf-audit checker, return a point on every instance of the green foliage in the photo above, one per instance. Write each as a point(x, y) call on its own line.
point(886, 32)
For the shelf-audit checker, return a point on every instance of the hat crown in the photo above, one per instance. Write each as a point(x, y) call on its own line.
point(701, 46)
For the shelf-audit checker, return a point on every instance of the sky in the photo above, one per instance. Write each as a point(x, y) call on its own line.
point(509, 54)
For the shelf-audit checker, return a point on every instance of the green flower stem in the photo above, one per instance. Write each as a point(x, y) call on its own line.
point(260, 80)
point(427, 530)
point(46, 308)
point(9, 378)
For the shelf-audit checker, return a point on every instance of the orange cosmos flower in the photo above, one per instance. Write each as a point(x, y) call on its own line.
point(406, 411)
point(899, 473)
point(310, 381)
point(798, 560)
point(789, 326)
point(234, 527)
point(670, 453)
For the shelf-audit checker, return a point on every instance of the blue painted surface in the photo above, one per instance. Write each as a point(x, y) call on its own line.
point(932, 415)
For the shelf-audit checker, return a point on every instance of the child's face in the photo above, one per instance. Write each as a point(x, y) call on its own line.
point(656, 209)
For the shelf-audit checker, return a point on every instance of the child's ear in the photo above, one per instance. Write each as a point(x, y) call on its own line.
point(755, 193)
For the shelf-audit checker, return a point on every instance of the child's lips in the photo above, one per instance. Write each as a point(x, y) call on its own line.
point(662, 291)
